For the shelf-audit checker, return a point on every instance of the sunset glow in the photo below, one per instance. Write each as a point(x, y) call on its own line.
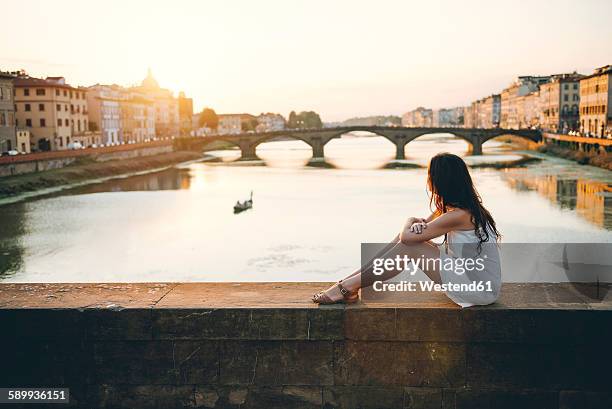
point(341, 58)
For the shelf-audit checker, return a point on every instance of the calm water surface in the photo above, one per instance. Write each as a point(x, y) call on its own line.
point(306, 225)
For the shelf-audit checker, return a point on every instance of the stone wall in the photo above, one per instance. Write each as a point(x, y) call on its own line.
point(38, 162)
point(547, 350)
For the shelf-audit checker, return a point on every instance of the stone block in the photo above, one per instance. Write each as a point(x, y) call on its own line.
point(422, 398)
point(42, 323)
point(141, 397)
point(500, 399)
point(584, 400)
point(516, 366)
point(118, 325)
point(155, 362)
point(363, 397)
point(240, 324)
point(238, 397)
point(399, 363)
point(272, 363)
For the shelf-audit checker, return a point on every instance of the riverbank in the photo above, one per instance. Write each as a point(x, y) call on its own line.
point(86, 169)
point(601, 160)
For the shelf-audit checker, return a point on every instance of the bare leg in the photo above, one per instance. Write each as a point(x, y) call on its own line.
point(428, 250)
point(365, 278)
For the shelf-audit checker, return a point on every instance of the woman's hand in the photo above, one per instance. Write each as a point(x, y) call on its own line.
point(415, 223)
point(418, 227)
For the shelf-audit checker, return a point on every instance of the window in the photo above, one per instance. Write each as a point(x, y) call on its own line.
point(575, 85)
point(27, 108)
point(66, 108)
point(1, 93)
point(29, 122)
point(566, 97)
point(58, 107)
point(40, 91)
point(41, 107)
point(65, 93)
point(43, 122)
point(566, 86)
point(57, 92)
point(2, 119)
point(26, 92)
point(79, 125)
point(66, 122)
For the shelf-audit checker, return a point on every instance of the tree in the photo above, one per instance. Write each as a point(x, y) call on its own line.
point(249, 125)
point(292, 121)
point(305, 119)
point(208, 118)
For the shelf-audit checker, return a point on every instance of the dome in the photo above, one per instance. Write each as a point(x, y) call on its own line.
point(150, 82)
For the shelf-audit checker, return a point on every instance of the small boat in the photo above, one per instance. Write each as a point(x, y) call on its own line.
point(242, 206)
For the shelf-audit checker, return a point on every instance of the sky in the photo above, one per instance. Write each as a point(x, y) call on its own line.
point(339, 58)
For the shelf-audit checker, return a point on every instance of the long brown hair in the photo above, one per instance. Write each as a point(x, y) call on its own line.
point(450, 184)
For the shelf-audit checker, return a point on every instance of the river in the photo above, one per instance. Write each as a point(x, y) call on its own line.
point(307, 223)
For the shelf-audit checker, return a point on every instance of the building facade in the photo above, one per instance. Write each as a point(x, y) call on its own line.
point(559, 103)
point(509, 111)
point(229, 124)
point(138, 115)
point(490, 111)
point(270, 122)
point(185, 114)
point(420, 117)
point(52, 110)
point(166, 106)
point(8, 139)
point(595, 100)
point(23, 140)
point(104, 104)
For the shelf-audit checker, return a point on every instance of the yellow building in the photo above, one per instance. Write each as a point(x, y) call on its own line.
point(51, 110)
point(595, 100)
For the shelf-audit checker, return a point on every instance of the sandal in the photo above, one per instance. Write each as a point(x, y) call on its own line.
point(348, 297)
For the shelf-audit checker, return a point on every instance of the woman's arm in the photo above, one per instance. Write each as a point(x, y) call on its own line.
point(456, 219)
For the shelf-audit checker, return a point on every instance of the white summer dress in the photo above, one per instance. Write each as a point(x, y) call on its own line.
point(464, 244)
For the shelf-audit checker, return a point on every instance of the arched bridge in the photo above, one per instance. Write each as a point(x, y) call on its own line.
point(317, 138)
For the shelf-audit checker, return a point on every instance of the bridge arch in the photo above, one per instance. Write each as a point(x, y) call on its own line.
point(296, 149)
point(342, 149)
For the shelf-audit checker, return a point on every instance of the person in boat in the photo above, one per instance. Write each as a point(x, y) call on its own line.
point(468, 229)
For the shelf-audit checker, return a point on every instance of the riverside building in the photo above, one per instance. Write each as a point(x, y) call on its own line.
point(53, 111)
point(7, 113)
point(559, 103)
point(595, 100)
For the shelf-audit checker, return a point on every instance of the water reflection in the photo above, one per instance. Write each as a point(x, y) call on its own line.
point(171, 179)
point(590, 199)
point(12, 232)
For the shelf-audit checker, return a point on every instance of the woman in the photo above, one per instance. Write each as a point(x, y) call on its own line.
point(469, 232)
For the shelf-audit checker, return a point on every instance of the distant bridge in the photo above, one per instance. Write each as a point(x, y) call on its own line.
point(318, 138)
